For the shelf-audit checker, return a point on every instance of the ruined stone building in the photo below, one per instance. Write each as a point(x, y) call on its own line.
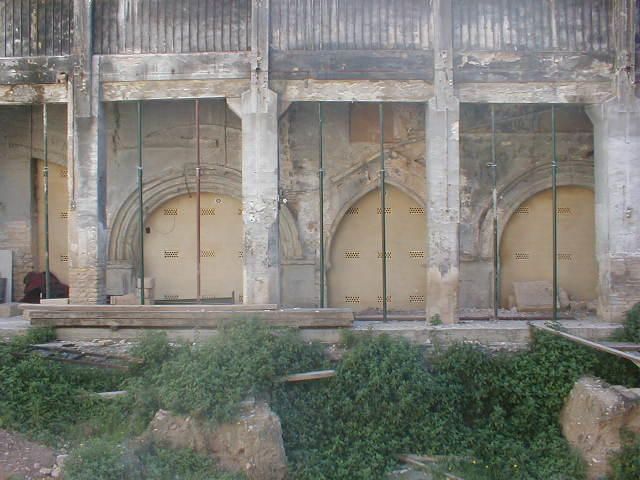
point(234, 150)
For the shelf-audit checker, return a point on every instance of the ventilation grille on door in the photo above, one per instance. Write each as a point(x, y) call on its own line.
point(64, 258)
point(522, 210)
point(416, 253)
point(380, 298)
point(416, 298)
point(565, 256)
point(64, 215)
point(207, 212)
point(564, 210)
point(388, 254)
point(64, 173)
point(353, 211)
point(170, 212)
point(416, 210)
point(207, 253)
point(351, 299)
point(521, 256)
point(241, 254)
point(171, 254)
point(387, 210)
point(351, 254)
point(172, 297)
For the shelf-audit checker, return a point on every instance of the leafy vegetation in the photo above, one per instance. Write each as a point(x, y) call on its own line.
point(626, 463)
point(494, 415)
point(101, 459)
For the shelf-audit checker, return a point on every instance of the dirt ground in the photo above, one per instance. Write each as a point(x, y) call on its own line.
point(22, 459)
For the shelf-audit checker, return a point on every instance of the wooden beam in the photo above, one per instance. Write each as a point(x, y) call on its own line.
point(535, 92)
point(33, 94)
point(475, 66)
point(353, 64)
point(353, 90)
point(308, 376)
point(186, 66)
point(24, 70)
point(172, 89)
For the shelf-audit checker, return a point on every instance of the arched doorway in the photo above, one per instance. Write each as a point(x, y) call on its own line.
point(526, 247)
point(355, 275)
point(170, 249)
point(58, 219)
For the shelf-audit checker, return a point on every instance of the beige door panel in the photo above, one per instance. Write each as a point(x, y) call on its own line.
point(526, 248)
point(355, 276)
point(58, 219)
point(170, 248)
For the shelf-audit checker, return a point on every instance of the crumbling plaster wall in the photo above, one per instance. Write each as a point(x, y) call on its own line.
point(21, 140)
point(523, 148)
point(351, 170)
point(523, 154)
point(169, 160)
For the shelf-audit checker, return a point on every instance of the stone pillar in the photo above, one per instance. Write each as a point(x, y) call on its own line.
point(260, 182)
point(260, 196)
point(617, 186)
point(443, 176)
point(443, 210)
point(87, 167)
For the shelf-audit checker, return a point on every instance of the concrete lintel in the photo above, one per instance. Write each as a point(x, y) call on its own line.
point(29, 94)
point(173, 89)
point(535, 92)
point(353, 90)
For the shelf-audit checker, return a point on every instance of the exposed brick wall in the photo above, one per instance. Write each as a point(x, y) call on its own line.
point(87, 285)
point(17, 238)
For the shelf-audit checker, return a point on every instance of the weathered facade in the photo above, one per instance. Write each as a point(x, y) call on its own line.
point(260, 121)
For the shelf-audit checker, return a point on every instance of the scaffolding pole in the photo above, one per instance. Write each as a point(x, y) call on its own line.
point(198, 214)
point(554, 201)
point(45, 174)
point(496, 253)
point(321, 200)
point(383, 214)
point(140, 201)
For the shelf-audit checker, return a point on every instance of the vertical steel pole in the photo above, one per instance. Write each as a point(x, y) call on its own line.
point(383, 214)
point(198, 214)
point(554, 201)
point(45, 173)
point(496, 252)
point(140, 202)
point(321, 199)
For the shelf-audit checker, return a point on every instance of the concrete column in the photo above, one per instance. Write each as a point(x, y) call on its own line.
point(443, 175)
point(617, 185)
point(87, 167)
point(443, 210)
point(260, 196)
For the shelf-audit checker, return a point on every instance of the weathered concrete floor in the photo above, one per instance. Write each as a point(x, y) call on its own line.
point(11, 326)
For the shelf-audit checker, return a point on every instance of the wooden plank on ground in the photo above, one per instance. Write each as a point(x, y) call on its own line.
point(308, 376)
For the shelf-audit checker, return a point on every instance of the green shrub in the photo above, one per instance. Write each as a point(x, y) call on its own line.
point(102, 459)
point(625, 464)
point(631, 326)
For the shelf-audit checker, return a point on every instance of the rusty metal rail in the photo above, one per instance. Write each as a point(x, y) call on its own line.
point(610, 348)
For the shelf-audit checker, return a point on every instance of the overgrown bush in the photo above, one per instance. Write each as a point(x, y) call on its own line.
point(625, 464)
point(101, 459)
point(631, 327)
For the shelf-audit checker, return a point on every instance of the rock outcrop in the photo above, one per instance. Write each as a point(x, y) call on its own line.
point(593, 417)
point(252, 444)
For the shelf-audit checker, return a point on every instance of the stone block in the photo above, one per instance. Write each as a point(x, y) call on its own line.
point(129, 299)
point(54, 301)
point(593, 417)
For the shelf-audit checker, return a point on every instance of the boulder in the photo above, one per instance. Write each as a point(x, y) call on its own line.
point(592, 418)
point(252, 444)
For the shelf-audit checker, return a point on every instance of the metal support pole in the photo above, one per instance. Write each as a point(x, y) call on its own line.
point(554, 201)
point(496, 253)
point(45, 173)
point(198, 248)
point(140, 202)
point(321, 199)
point(383, 214)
